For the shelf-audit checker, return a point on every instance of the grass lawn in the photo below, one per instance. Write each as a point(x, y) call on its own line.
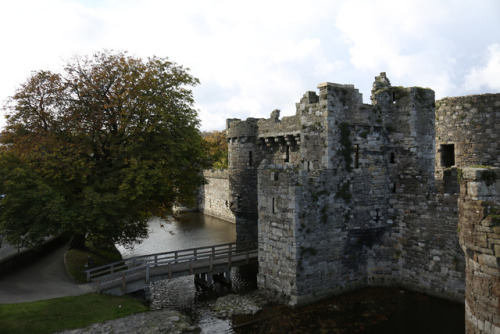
point(55, 315)
point(76, 260)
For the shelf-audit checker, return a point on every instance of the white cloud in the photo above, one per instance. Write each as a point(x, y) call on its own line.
point(253, 57)
point(487, 75)
point(418, 42)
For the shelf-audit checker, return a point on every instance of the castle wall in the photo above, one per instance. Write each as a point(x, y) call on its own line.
point(428, 252)
point(244, 158)
point(467, 134)
point(479, 230)
point(430, 256)
point(349, 195)
point(213, 197)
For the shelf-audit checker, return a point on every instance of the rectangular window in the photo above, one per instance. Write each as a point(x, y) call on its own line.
point(287, 153)
point(447, 155)
point(250, 159)
point(356, 156)
point(273, 206)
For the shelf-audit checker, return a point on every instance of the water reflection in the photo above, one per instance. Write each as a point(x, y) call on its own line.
point(365, 311)
point(186, 230)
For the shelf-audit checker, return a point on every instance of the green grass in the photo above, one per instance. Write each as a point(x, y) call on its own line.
point(76, 260)
point(54, 315)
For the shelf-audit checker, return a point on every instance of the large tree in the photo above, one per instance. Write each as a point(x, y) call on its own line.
point(216, 148)
point(98, 149)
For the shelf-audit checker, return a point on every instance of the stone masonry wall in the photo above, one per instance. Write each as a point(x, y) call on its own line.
point(348, 194)
point(213, 197)
point(467, 134)
point(244, 158)
point(479, 230)
point(425, 222)
point(430, 256)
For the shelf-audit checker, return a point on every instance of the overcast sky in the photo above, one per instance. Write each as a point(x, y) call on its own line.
point(256, 56)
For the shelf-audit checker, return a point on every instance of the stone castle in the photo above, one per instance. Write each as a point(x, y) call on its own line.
point(345, 195)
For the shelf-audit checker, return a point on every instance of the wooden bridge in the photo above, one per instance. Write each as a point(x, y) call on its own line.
point(136, 273)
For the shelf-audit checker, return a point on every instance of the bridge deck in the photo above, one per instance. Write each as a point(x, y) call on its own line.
point(136, 273)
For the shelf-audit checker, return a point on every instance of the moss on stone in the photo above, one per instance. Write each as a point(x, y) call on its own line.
point(344, 192)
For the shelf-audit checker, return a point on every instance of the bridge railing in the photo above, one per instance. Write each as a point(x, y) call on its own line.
point(139, 266)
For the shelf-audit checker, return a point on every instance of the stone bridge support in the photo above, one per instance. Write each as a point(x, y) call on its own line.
point(479, 232)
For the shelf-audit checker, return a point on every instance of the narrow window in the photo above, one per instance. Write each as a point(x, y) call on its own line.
point(394, 188)
point(273, 207)
point(447, 155)
point(356, 156)
point(393, 97)
point(250, 159)
point(308, 166)
point(393, 158)
point(287, 153)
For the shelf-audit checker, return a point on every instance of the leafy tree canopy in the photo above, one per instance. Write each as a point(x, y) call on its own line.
point(98, 149)
point(216, 148)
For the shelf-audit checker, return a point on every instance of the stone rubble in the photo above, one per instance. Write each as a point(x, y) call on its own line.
point(164, 321)
point(229, 305)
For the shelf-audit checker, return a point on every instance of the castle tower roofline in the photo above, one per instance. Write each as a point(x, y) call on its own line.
point(334, 85)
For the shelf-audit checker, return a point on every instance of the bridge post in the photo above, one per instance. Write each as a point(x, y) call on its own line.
point(210, 280)
point(147, 274)
point(204, 279)
point(227, 276)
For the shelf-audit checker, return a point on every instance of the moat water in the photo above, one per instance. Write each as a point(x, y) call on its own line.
point(367, 311)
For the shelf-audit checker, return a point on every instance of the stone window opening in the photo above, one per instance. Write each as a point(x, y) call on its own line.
point(287, 153)
point(394, 187)
point(392, 158)
point(250, 158)
point(447, 155)
point(393, 97)
point(273, 205)
point(356, 156)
